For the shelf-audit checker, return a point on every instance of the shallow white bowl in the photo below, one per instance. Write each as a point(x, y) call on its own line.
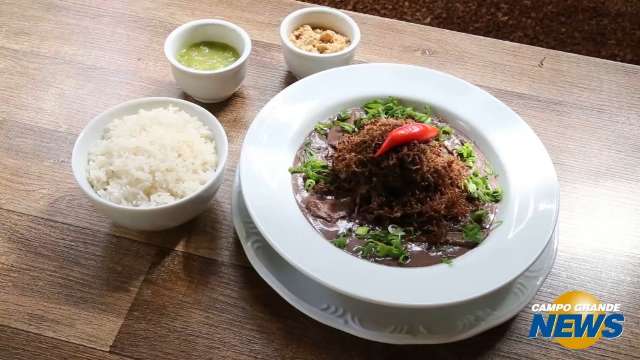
point(158, 217)
point(383, 323)
point(208, 85)
point(529, 209)
point(302, 63)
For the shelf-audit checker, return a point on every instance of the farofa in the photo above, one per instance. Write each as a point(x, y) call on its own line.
point(318, 40)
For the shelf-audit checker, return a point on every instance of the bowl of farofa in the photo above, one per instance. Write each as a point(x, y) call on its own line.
point(318, 38)
point(151, 163)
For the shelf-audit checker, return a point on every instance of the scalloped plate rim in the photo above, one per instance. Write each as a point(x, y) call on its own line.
point(328, 320)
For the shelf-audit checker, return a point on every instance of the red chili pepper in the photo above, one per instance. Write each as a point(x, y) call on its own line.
point(407, 133)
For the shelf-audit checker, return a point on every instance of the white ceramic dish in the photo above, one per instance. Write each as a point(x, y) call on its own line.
point(528, 211)
point(159, 217)
point(302, 63)
point(215, 85)
point(380, 323)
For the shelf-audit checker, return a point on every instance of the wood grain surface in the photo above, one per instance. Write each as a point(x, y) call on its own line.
point(73, 285)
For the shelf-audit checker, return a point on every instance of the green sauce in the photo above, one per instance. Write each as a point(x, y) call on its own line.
point(208, 55)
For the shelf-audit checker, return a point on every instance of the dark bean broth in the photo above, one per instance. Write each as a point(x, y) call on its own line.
point(420, 253)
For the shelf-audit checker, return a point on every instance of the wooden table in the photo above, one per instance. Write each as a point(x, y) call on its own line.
point(72, 285)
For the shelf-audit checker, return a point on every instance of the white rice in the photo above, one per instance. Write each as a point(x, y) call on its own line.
point(152, 158)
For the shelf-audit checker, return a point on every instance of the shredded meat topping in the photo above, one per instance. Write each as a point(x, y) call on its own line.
point(416, 184)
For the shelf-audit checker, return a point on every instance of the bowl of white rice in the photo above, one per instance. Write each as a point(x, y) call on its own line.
point(151, 163)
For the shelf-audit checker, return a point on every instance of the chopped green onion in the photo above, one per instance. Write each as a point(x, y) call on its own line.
point(391, 108)
point(467, 154)
point(444, 132)
point(322, 128)
point(395, 229)
point(345, 126)
point(479, 216)
point(382, 244)
point(313, 169)
point(343, 115)
point(472, 232)
point(446, 260)
point(479, 188)
point(341, 241)
point(362, 230)
point(309, 184)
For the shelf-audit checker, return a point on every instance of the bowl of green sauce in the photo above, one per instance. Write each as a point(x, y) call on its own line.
point(208, 55)
point(208, 58)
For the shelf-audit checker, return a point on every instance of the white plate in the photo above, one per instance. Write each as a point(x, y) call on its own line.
point(380, 323)
point(528, 211)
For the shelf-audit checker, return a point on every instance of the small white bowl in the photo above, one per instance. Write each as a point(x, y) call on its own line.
point(208, 86)
point(302, 63)
point(158, 217)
